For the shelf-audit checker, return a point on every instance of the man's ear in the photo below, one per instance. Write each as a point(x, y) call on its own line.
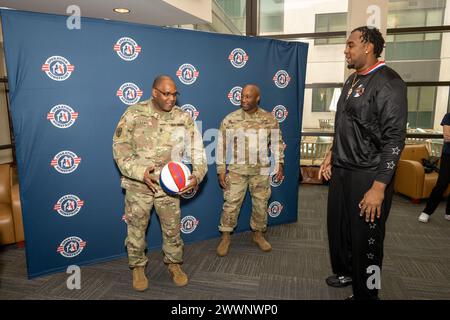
point(370, 47)
point(153, 93)
point(259, 99)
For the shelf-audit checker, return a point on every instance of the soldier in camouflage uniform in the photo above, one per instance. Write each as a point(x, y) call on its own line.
point(149, 135)
point(244, 140)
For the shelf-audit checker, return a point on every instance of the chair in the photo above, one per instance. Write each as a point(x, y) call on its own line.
point(326, 124)
point(11, 225)
point(410, 178)
point(415, 141)
point(434, 147)
point(313, 153)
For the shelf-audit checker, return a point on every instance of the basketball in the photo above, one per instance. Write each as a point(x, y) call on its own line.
point(174, 177)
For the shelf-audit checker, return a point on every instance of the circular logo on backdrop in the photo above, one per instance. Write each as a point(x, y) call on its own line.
point(274, 209)
point(188, 224)
point(62, 116)
point(274, 182)
point(280, 113)
point(65, 162)
point(281, 79)
point(127, 49)
point(238, 58)
point(129, 93)
point(71, 247)
point(235, 96)
point(189, 108)
point(68, 205)
point(187, 73)
point(57, 68)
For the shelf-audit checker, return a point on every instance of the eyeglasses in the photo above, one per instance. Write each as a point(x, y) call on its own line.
point(167, 94)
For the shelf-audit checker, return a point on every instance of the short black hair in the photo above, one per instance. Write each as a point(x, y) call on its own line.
point(374, 36)
point(160, 78)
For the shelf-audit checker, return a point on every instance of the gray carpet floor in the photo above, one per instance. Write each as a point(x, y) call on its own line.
point(416, 264)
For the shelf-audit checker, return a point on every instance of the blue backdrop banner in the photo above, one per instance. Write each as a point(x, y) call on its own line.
point(68, 89)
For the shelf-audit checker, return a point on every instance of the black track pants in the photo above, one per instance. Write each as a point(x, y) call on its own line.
point(440, 187)
point(355, 244)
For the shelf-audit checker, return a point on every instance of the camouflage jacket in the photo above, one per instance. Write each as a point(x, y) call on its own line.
point(147, 137)
point(244, 141)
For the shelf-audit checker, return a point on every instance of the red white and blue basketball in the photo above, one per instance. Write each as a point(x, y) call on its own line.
point(174, 177)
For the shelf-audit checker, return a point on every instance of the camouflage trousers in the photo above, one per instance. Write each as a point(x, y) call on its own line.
point(234, 194)
point(137, 212)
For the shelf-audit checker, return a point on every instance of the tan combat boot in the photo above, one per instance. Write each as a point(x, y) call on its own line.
point(261, 242)
point(178, 276)
point(224, 245)
point(140, 282)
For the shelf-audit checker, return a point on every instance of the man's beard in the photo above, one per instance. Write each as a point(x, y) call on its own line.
point(350, 66)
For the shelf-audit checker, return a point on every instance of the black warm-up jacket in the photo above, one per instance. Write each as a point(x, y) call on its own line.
point(370, 125)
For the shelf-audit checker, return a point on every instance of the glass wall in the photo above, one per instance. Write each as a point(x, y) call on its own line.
point(228, 16)
point(325, 55)
point(235, 10)
point(420, 106)
point(271, 16)
point(329, 22)
point(414, 46)
point(278, 17)
point(417, 13)
point(321, 99)
point(421, 57)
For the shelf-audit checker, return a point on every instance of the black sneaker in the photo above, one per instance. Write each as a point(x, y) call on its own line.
point(352, 297)
point(339, 281)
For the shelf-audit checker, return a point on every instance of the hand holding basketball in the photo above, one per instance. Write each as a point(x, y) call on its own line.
point(176, 178)
point(193, 184)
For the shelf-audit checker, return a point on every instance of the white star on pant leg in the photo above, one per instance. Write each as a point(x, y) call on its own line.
point(371, 241)
point(395, 150)
point(370, 256)
point(390, 165)
point(372, 225)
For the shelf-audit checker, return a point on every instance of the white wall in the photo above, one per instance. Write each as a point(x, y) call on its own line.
point(300, 15)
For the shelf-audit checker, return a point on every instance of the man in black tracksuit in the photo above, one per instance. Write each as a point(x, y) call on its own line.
point(370, 130)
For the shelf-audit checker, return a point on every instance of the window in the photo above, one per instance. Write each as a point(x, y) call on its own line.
point(234, 8)
point(417, 13)
point(421, 106)
point(329, 22)
point(235, 11)
point(418, 45)
point(271, 16)
point(321, 99)
point(413, 46)
point(418, 56)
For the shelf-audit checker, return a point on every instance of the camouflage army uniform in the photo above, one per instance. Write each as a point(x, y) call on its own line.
point(147, 137)
point(248, 164)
